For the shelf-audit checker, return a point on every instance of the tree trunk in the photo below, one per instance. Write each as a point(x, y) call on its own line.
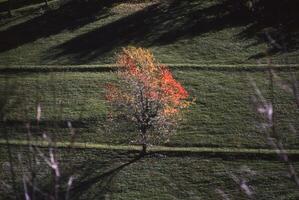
point(46, 3)
point(144, 149)
point(144, 140)
point(9, 8)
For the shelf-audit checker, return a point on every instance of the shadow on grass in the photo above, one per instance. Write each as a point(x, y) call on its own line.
point(15, 4)
point(169, 21)
point(237, 68)
point(7, 91)
point(160, 24)
point(93, 175)
point(90, 178)
point(68, 17)
point(63, 123)
point(276, 23)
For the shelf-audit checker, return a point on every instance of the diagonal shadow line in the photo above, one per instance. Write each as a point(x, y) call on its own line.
point(79, 189)
point(4, 5)
point(158, 24)
point(68, 17)
point(161, 24)
point(63, 123)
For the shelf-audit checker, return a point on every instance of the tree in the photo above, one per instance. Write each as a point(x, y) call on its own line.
point(9, 7)
point(46, 3)
point(147, 96)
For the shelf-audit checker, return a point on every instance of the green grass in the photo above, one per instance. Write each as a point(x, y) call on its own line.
point(152, 149)
point(223, 115)
point(182, 32)
point(61, 59)
point(101, 174)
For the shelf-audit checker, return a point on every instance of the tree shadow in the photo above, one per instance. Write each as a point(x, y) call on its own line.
point(268, 22)
point(68, 17)
point(91, 129)
point(168, 21)
point(275, 23)
point(159, 24)
point(93, 172)
point(89, 177)
point(17, 4)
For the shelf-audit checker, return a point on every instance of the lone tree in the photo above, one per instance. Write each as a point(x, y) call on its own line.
point(147, 96)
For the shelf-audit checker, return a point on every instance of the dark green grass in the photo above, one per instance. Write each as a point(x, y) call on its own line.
point(116, 175)
point(223, 114)
point(196, 31)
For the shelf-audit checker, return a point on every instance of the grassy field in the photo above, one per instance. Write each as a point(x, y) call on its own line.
point(196, 32)
point(61, 58)
point(223, 114)
point(103, 174)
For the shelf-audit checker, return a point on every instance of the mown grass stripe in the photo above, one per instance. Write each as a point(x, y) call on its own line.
point(111, 67)
point(79, 145)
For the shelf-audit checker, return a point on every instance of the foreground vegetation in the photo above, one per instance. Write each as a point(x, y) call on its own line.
point(103, 174)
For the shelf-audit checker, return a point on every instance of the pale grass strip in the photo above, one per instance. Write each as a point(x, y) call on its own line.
point(80, 145)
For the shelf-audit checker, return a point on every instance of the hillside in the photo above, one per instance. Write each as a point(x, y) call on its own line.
point(195, 31)
point(56, 139)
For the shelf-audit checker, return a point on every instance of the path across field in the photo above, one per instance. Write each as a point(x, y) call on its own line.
point(152, 149)
point(110, 67)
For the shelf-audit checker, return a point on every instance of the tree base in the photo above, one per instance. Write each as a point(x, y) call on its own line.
point(144, 150)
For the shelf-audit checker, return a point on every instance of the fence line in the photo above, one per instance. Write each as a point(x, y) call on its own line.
point(84, 145)
point(111, 67)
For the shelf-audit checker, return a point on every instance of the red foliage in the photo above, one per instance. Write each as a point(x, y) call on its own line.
point(147, 90)
point(172, 89)
point(140, 69)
